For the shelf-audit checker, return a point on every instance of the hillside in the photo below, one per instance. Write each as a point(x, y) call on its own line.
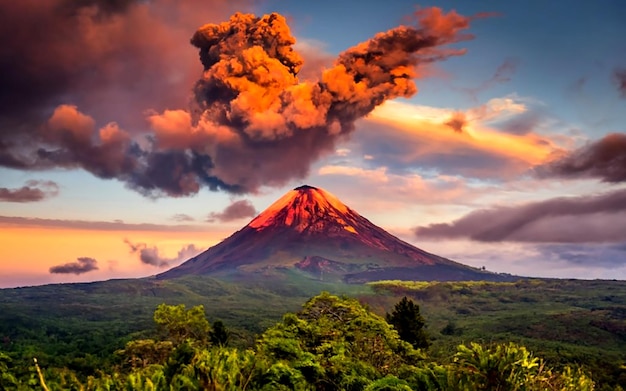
point(566, 321)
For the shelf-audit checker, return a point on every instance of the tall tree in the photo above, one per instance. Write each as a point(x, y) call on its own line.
point(180, 324)
point(219, 335)
point(409, 323)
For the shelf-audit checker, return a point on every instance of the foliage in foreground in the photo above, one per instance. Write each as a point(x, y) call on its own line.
point(331, 344)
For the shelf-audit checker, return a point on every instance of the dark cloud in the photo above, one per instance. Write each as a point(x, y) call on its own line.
point(181, 218)
point(586, 219)
point(524, 123)
point(116, 225)
point(619, 76)
point(236, 210)
point(111, 57)
point(252, 122)
point(457, 121)
point(76, 73)
point(32, 191)
point(149, 255)
point(604, 159)
point(82, 265)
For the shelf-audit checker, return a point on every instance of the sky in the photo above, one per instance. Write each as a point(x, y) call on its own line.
point(135, 134)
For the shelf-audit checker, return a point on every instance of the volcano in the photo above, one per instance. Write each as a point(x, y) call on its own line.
point(311, 232)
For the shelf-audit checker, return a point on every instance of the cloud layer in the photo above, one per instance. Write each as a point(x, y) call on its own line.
point(449, 142)
point(585, 219)
point(116, 225)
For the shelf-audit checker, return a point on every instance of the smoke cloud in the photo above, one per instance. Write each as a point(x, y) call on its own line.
point(598, 218)
point(32, 191)
point(252, 121)
point(236, 210)
point(457, 122)
point(604, 159)
point(149, 255)
point(82, 265)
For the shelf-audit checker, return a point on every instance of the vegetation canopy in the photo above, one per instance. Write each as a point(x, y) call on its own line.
point(332, 343)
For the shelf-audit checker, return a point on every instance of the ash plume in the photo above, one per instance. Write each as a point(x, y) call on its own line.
point(251, 123)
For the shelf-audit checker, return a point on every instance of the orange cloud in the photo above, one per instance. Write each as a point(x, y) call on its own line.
point(428, 132)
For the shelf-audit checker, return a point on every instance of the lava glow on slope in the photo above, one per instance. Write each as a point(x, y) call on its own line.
point(302, 205)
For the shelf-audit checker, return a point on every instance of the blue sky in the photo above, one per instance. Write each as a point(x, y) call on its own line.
point(536, 95)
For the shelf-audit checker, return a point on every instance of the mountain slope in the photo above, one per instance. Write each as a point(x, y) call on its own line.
point(310, 231)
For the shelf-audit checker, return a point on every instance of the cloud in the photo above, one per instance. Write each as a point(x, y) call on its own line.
point(417, 139)
point(116, 225)
point(315, 58)
point(457, 121)
point(375, 176)
point(584, 219)
point(149, 255)
point(82, 265)
point(608, 256)
point(181, 218)
point(252, 122)
point(382, 190)
point(524, 123)
point(32, 191)
point(503, 74)
point(98, 50)
point(619, 76)
point(604, 159)
point(236, 210)
point(551, 260)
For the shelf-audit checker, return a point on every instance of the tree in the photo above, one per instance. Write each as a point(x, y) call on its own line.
point(143, 352)
point(335, 344)
point(219, 335)
point(409, 323)
point(180, 324)
point(7, 379)
point(509, 367)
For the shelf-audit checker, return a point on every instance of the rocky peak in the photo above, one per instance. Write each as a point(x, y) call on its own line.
point(307, 208)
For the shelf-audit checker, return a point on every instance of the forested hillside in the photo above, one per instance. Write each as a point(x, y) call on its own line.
point(106, 331)
point(333, 343)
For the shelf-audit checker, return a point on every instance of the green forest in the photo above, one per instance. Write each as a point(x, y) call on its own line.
point(332, 343)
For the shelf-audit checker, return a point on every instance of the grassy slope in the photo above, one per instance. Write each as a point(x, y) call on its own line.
point(562, 320)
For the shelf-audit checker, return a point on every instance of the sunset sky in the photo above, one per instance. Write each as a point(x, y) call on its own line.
point(136, 133)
